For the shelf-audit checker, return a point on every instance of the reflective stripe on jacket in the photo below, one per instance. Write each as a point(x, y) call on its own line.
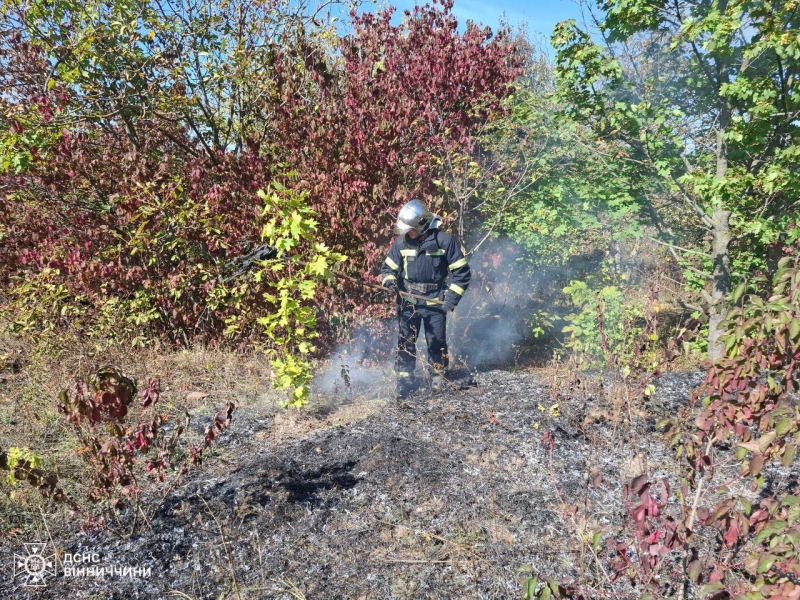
point(435, 259)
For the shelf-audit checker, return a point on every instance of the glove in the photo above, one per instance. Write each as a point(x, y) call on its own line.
point(391, 285)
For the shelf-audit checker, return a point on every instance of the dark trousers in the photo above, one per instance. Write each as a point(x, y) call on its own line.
point(435, 320)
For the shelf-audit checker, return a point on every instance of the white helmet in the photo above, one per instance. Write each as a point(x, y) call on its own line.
point(415, 216)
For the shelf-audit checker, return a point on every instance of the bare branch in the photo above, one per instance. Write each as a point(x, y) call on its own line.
point(687, 250)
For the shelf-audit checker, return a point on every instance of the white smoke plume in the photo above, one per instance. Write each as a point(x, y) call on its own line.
point(486, 330)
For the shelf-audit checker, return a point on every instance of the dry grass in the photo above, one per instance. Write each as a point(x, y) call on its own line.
point(199, 381)
point(292, 425)
point(190, 380)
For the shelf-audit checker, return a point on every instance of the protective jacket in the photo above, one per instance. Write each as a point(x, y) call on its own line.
point(422, 267)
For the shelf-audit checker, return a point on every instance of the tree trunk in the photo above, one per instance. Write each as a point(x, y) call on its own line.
point(721, 232)
point(721, 278)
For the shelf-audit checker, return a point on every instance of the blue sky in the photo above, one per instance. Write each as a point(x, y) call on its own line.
point(541, 15)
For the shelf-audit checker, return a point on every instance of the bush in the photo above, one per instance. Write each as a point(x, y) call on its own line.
point(612, 328)
point(707, 537)
point(120, 204)
point(123, 443)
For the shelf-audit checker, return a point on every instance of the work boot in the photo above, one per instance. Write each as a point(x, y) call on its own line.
point(405, 386)
point(460, 378)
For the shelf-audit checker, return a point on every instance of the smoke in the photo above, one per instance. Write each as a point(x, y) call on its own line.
point(489, 329)
point(361, 364)
point(491, 325)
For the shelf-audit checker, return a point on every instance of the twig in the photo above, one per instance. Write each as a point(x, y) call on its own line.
point(50, 536)
point(737, 478)
point(292, 588)
point(599, 564)
point(412, 561)
point(260, 558)
point(690, 522)
point(687, 250)
point(179, 594)
point(225, 546)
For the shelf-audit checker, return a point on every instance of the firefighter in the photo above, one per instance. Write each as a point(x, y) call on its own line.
point(427, 262)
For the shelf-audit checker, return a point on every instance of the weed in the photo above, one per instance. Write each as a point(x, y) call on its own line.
point(117, 446)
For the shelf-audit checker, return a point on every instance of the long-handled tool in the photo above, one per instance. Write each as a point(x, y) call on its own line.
point(267, 252)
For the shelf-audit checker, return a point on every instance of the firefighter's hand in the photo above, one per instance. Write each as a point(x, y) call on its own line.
point(449, 306)
point(391, 285)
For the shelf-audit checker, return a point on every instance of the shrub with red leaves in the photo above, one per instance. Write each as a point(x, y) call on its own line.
point(131, 160)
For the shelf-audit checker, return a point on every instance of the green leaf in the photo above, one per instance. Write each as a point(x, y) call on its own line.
point(529, 587)
point(766, 440)
point(766, 563)
point(545, 594)
point(711, 588)
point(784, 426)
point(789, 453)
point(794, 330)
point(793, 515)
point(695, 569)
point(746, 505)
point(771, 529)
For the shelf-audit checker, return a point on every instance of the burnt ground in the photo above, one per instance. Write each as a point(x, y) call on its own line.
point(358, 498)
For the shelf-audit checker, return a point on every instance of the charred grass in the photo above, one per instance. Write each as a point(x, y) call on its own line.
point(454, 495)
